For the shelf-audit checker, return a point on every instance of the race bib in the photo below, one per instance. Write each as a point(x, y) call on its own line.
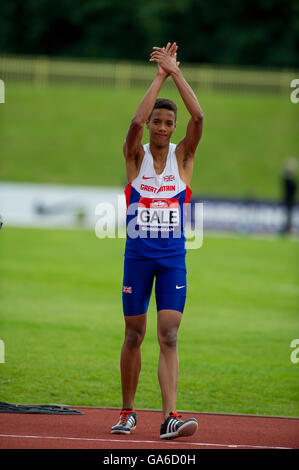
point(158, 212)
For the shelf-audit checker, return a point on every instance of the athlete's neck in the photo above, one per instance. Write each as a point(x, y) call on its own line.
point(159, 154)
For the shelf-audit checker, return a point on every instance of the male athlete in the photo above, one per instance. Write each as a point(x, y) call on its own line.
point(159, 175)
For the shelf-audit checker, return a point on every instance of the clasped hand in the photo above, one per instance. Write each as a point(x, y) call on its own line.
point(165, 57)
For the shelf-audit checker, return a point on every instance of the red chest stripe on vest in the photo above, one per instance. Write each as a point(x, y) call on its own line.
point(161, 203)
point(188, 194)
point(128, 194)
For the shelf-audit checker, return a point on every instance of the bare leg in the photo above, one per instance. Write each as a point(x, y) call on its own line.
point(168, 325)
point(130, 362)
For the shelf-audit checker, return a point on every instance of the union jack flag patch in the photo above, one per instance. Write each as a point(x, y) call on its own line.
point(169, 178)
point(127, 290)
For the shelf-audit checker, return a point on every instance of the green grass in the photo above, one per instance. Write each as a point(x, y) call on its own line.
point(62, 324)
point(74, 135)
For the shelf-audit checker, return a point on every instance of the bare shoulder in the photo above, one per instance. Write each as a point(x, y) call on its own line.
point(133, 162)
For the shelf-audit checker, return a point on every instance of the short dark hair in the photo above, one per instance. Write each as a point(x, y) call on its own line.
point(165, 103)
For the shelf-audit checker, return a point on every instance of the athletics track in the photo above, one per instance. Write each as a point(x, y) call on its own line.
point(91, 430)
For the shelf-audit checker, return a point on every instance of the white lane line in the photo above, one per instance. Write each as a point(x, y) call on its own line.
point(235, 446)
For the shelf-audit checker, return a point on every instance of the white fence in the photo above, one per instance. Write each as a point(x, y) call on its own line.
point(45, 70)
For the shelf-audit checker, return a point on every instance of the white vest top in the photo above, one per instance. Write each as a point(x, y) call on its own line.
point(155, 209)
point(167, 184)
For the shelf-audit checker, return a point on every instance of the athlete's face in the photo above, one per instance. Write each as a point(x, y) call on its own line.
point(161, 126)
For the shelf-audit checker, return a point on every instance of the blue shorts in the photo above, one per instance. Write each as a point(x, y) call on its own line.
point(170, 287)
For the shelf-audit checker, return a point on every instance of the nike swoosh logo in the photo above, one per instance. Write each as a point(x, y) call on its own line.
point(179, 287)
point(147, 177)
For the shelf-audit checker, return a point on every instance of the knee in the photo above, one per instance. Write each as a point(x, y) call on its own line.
point(134, 338)
point(168, 339)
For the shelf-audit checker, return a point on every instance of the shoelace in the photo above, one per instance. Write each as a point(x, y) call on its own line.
point(124, 415)
point(175, 415)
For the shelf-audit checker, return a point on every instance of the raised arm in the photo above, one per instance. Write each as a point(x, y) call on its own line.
point(187, 147)
point(132, 148)
point(134, 135)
